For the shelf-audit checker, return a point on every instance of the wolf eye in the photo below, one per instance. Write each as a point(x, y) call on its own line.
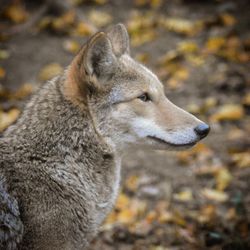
point(144, 97)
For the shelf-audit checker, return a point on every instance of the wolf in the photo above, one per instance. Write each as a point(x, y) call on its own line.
point(60, 162)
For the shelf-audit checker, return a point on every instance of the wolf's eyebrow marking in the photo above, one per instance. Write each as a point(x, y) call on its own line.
point(115, 95)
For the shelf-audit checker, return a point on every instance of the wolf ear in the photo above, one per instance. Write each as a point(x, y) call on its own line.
point(95, 60)
point(119, 38)
point(99, 59)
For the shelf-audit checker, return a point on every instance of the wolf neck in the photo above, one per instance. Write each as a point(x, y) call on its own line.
point(52, 127)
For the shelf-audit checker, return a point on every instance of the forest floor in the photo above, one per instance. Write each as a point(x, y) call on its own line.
point(196, 199)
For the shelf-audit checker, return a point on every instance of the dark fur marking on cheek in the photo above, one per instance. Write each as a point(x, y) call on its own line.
point(91, 89)
point(108, 156)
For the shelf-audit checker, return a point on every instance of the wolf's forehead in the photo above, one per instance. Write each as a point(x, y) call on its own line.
point(133, 77)
point(138, 72)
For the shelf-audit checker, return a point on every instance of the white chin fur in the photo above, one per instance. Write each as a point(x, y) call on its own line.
point(148, 128)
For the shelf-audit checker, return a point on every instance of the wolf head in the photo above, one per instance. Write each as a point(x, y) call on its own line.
point(125, 99)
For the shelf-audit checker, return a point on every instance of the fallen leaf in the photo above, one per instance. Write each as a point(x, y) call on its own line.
point(16, 12)
point(100, 2)
point(246, 100)
point(100, 18)
point(49, 71)
point(151, 216)
point(199, 152)
point(83, 29)
point(126, 216)
point(71, 46)
point(215, 43)
point(2, 73)
point(25, 90)
point(4, 54)
point(141, 28)
point(182, 26)
point(235, 134)
point(242, 160)
point(7, 118)
point(122, 201)
point(208, 169)
point(146, 36)
point(223, 179)
point(214, 195)
point(185, 195)
point(155, 3)
point(228, 19)
point(194, 108)
point(64, 22)
point(228, 112)
point(187, 47)
point(207, 213)
point(142, 57)
point(132, 183)
point(165, 217)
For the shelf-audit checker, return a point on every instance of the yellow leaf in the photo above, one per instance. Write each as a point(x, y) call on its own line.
point(140, 2)
point(246, 99)
point(2, 73)
point(182, 26)
point(111, 219)
point(132, 183)
point(215, 43)
point(196, 60)
point(181, 74)
point(64, 22)
point(146, 36)
point(4, 54)
point(179, 219)
point(122, 201)
point(24, 91)
point(228, 19)
point(71, 46)
point(242, 160)
point(75, 2)
point(231, 214)
point(155, 3)
point(101, 2)
point(165, 216)
point(223, 179)
point(207, 213)
point(199, 150)
point(215, 195)
point(45, 22)
point(142, 57)
point(228, 112)
point(209, 103)
point(208, 169)
point(235, 134)
point(151, 216)
point(126, 216)
point(16, 13)
point(7, 118)
point(185, 195)
point(169, 57)
point(100, 18)
point(141, 28)
point(187, 47)
point(194, 108)
point(83, 29)
point(49, 71)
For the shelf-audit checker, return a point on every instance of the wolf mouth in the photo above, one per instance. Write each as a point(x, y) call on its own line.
point(171, 144)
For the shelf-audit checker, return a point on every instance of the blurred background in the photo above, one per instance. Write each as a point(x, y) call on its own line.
point(197, 199)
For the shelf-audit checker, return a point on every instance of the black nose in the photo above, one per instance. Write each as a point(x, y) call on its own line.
point(202, 130)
